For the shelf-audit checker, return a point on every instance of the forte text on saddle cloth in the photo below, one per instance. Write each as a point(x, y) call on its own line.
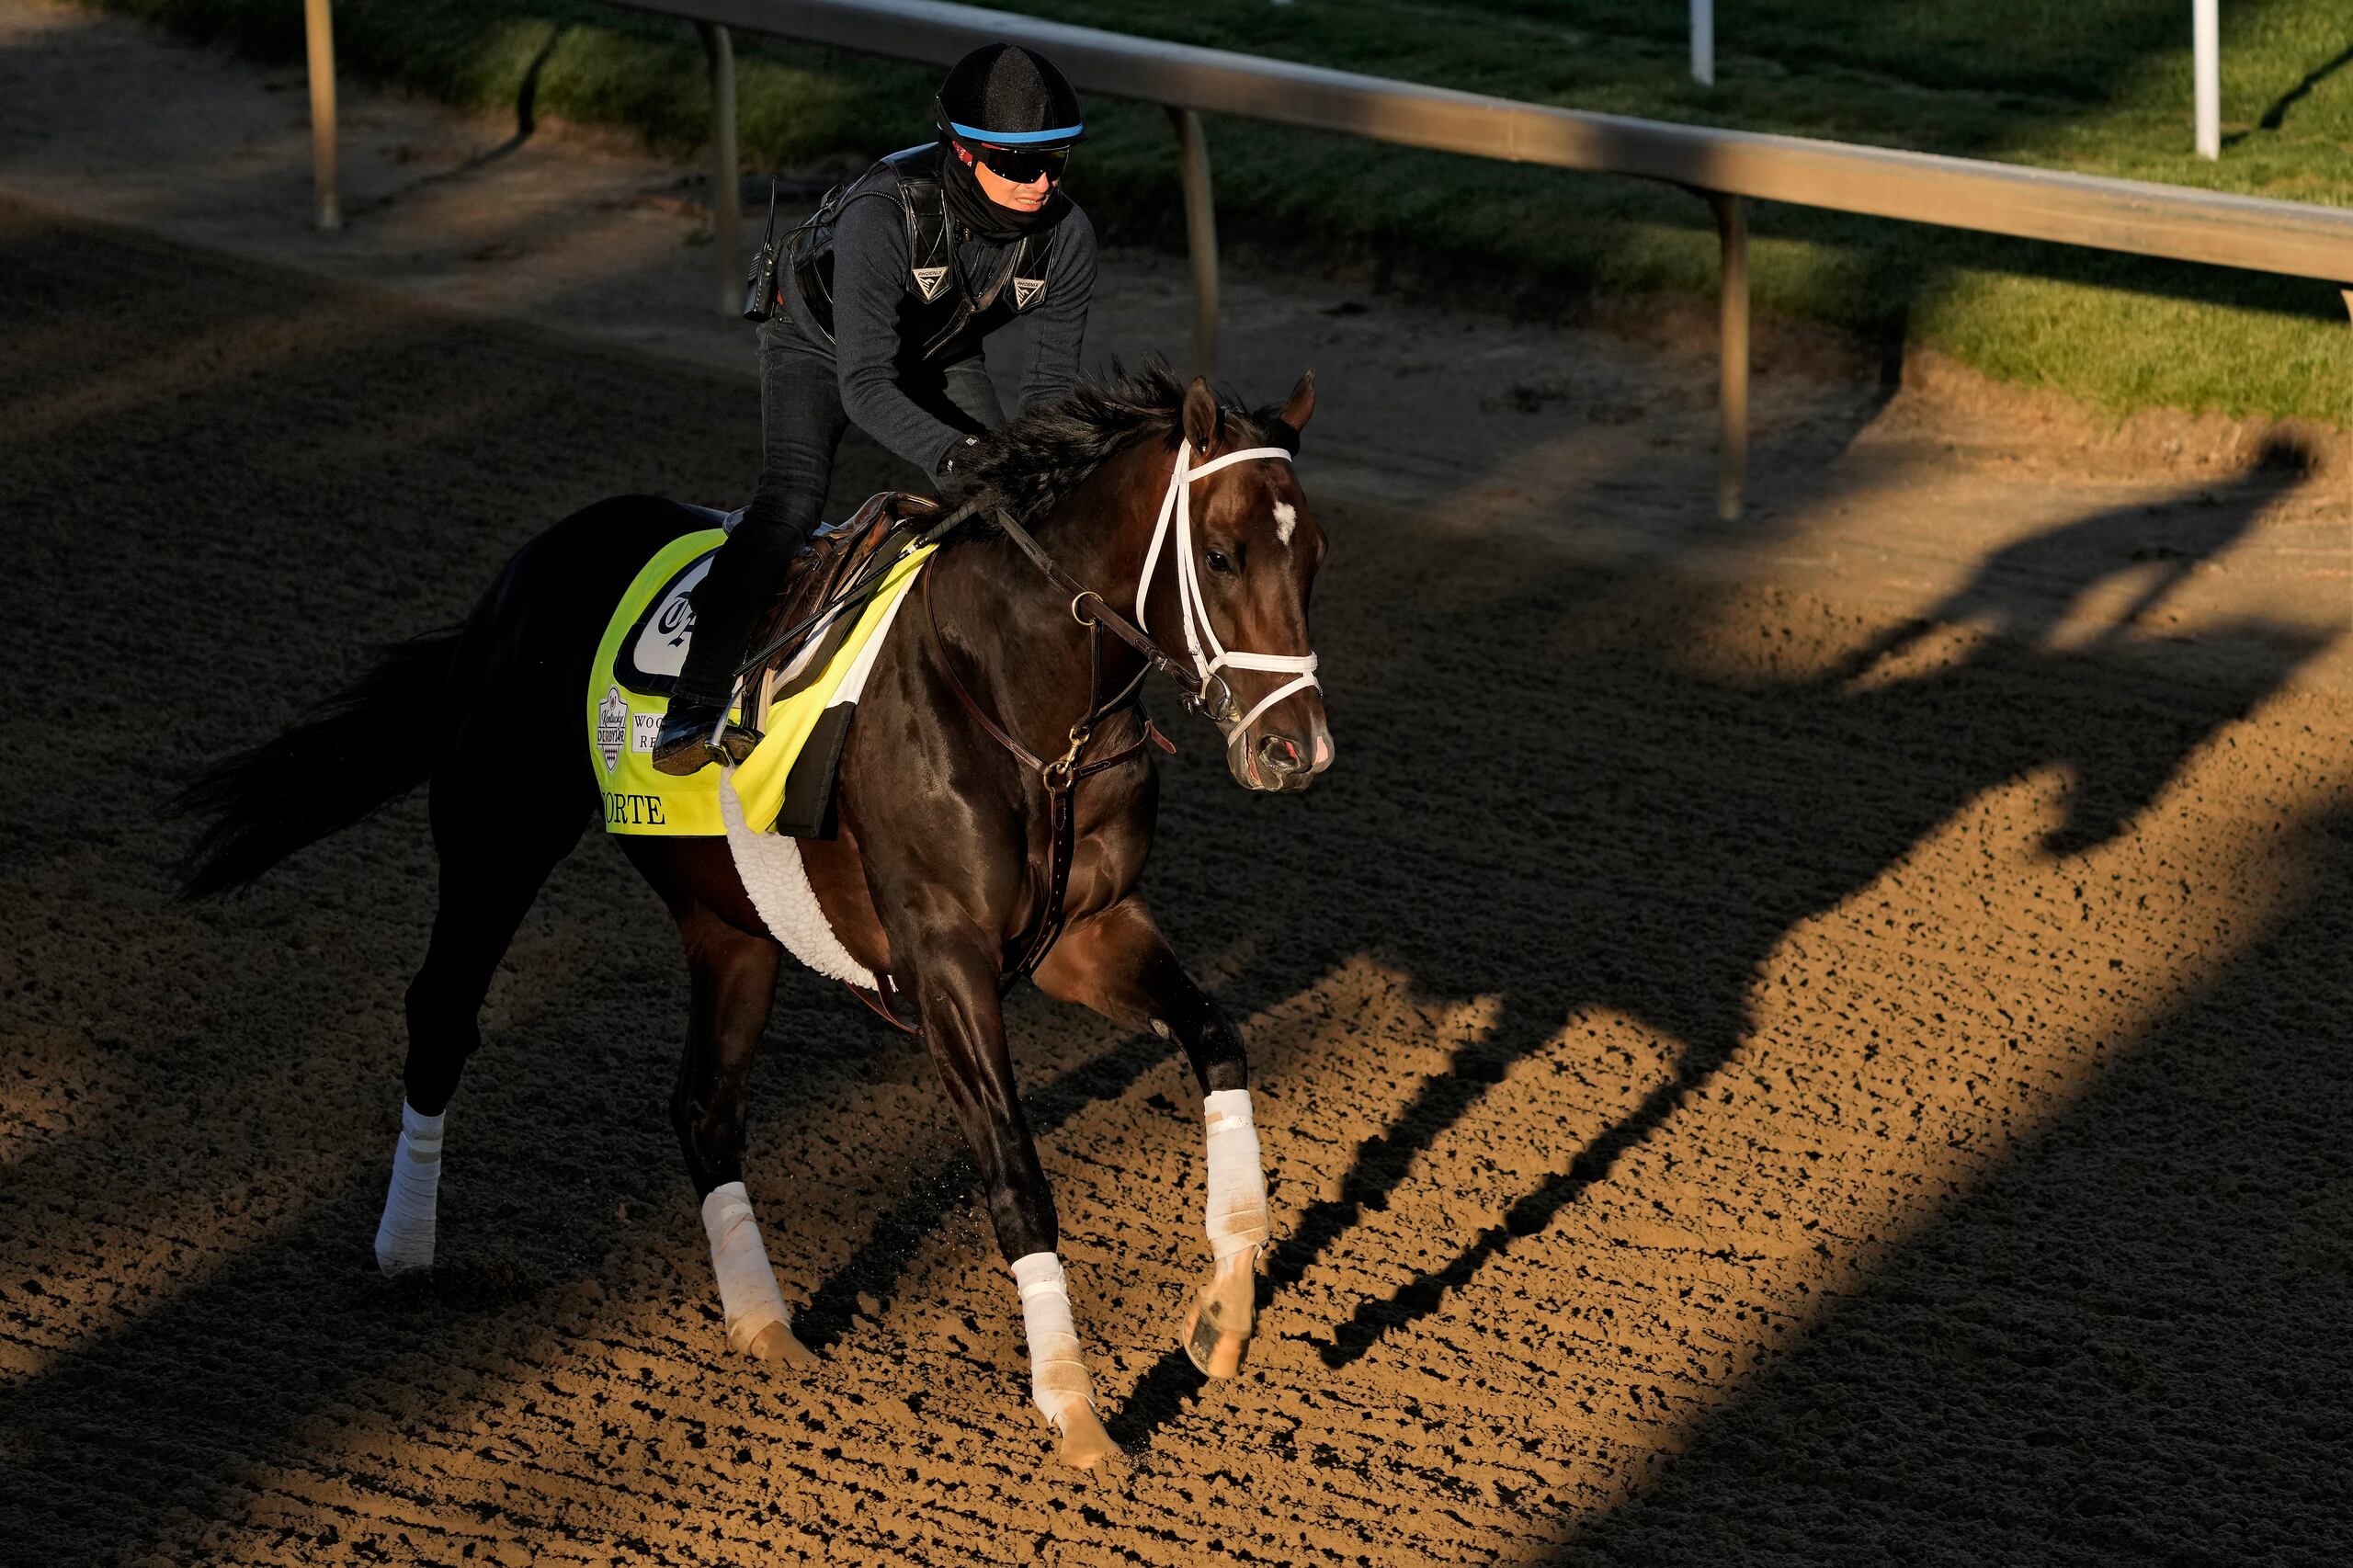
point(786, 781)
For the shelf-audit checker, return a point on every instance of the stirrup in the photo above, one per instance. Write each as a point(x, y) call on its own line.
point(691, 738)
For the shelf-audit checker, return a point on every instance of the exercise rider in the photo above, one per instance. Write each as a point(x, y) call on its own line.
point(886, 297)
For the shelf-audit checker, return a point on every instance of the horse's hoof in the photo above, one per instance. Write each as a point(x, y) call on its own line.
point(1219, 1323)
point(778, 1343)
point(1214, 1348)
point(1084, 1443)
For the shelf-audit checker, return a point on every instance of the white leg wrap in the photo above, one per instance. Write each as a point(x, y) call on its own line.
point(404, 1236)
point(747, 1289)
point(1237, 1211)
point(1057, 1373)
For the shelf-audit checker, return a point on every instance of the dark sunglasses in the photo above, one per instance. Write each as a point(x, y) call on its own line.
point(1022, 164)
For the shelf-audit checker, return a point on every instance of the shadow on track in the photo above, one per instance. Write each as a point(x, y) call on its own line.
point(2126, 1346)
point(1654, 835)
point(527, 124)
point(206, 522)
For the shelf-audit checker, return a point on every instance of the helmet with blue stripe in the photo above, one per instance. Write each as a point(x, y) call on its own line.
point(1007, 96)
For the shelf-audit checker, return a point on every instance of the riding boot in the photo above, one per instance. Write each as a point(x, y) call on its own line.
point(742, 581)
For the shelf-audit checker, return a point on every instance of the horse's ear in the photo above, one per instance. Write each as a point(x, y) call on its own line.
point(1300, 406)
point(1200, 414)
point(1283, 424)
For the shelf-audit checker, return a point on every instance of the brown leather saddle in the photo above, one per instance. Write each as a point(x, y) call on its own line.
point(839, 559)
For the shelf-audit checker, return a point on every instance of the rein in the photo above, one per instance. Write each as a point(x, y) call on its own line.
point(855, 594)
point(1106, 617)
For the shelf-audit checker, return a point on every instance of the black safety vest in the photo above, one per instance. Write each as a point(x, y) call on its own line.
point(939, 309)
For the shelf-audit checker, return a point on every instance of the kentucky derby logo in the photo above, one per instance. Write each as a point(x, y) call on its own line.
point(612, 727)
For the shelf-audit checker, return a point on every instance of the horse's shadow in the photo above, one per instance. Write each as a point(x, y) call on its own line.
point(2025, 591)
point(1661, 833)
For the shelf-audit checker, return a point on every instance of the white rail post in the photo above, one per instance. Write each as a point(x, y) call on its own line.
point(726, 170)
point(1703, 42)
point(318, 27)
point(2205, 44)
point(1201, 235)
point(1731, 427)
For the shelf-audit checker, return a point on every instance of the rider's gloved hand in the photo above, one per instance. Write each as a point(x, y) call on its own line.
point(954, 475)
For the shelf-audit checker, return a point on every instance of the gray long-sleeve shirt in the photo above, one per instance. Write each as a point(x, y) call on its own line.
point(869, 280)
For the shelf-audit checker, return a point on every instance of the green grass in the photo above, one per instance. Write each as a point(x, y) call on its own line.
point(2096, 86)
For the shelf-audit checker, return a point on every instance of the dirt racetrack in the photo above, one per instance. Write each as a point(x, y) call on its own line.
point(1771, 1049)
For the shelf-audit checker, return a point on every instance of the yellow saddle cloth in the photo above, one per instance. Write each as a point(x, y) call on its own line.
point(786, 783)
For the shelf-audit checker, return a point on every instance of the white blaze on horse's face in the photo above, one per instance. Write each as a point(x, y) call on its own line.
point(1259, 549)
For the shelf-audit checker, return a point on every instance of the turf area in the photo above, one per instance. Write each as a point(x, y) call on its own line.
point(2099, 85)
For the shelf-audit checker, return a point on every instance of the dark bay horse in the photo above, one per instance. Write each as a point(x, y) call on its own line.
point(938, 880)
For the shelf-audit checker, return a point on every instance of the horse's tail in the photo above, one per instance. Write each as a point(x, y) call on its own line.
point(353, 755)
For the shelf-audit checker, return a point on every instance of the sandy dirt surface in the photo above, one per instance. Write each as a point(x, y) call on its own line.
point(1821, 1039)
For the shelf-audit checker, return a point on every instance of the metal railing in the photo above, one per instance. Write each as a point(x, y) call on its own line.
point(1728, 168)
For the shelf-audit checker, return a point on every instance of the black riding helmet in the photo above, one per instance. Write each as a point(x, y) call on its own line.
point(1009, 105)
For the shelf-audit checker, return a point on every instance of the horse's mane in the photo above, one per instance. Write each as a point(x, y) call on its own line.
point(1038, 458)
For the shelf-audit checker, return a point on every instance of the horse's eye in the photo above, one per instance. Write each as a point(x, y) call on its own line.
point(1219, 563)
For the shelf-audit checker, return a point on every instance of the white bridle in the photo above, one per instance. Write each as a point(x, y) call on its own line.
point(1192, 610)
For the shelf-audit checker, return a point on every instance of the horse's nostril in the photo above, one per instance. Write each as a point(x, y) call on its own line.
point(1278, 755)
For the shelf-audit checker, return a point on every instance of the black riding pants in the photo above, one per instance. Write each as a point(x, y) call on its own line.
point(801, 421)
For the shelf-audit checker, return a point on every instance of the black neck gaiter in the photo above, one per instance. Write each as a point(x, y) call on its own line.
point(971, 209)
